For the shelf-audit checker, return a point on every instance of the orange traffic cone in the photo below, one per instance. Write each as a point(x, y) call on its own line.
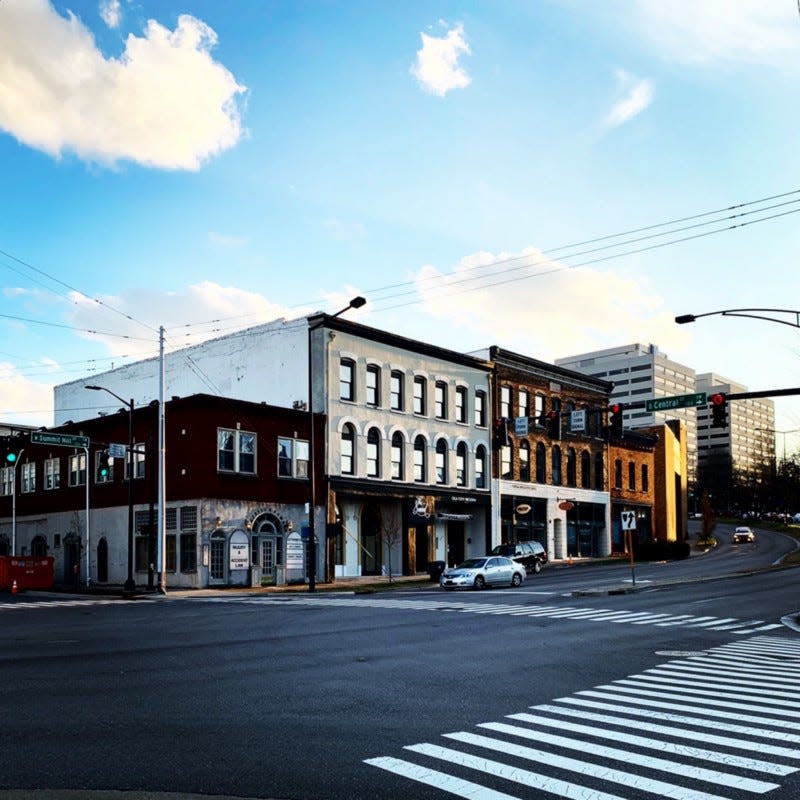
point(14, 588)
point(569, 561)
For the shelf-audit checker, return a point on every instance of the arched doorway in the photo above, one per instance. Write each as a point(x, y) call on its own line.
point(371, 540)
point(268, 545)
point(72, 558)
point(102, 560)
point(39, 546)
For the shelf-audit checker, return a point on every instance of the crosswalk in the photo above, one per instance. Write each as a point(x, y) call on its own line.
point(38, 605)
point(664, 620)
point(715, 726)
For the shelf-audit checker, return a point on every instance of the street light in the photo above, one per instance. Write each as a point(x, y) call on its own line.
point(13, 459)
point(130, 583)
point(356, 302)
point(682, 319)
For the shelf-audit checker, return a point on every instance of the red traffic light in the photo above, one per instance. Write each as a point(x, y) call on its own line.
point(552, 414)
point(616, 408)
point(717, 399)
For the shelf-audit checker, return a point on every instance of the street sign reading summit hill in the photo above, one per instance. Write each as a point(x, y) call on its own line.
point(679, 401)
point(60, 439)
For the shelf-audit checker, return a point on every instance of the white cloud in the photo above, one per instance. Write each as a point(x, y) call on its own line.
point(164, 103)
point(111, 13)
point(201, 311)
point(17, 391)
point(555, 312)
point(637, 96)
point(437, 68)
point(719, 30)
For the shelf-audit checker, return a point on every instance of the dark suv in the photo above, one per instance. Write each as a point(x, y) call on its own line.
point(530, 554)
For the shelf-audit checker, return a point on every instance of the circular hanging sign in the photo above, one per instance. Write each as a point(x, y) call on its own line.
point(522, 508)
point(566, 505)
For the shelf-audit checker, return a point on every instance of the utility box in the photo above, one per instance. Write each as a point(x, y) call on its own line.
point(30, 572)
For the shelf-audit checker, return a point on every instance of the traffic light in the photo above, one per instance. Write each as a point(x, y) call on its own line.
point(615, 420)
point(11, 457)
point(719, 410)
point(103, 469)
point(554, 424)
point(501, 433)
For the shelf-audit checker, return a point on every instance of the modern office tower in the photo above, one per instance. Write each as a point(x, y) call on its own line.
point(641, 372)
point(749, 436)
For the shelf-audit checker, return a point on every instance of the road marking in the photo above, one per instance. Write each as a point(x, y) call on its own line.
point(736, 752)
point(515, 610)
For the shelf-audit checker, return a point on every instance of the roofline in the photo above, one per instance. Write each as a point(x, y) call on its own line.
point(545, 370)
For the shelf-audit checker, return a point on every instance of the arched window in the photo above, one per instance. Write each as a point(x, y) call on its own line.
point(348, 450)
point(441, 461)
point(480, 467)
point(586, 462)
point(398, 462)
point(461, 464)
point(373, 453)
point(420, 465)
point(541, 463)
point(524, 461)
point(599, 470)
point(572, 467)
point(556, 465)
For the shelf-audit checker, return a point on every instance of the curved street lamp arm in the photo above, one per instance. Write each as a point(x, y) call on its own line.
point(745, 312)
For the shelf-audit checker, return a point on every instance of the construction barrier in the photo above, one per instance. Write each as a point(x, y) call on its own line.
point(26, 572)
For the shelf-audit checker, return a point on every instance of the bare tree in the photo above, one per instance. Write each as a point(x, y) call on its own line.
point(392, 534)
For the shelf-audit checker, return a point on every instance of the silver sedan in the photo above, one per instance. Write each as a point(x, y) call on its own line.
point(478, 573)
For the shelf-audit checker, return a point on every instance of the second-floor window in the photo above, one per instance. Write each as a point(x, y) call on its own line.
point(420, 465)
point(292, 458)
point(461, 404)
point(440, 400)
point(505, 462)
point(441, 461)
point(461, 464)
point(572, 467)
point(398, 466)
point(632, 476)
point(618, 473)
point(480, 467)
point(6, 481)
point(599, 467)
point(645, 479)
point(28, 477)
point(77, 469)
point(556, 466)
point(524, 461)
point(236, 451)
point(586, 478)
point(348, 450)
point(347, 379)
point(373, 453)
point(139, 460)
point(541, 463)
point(52, 473)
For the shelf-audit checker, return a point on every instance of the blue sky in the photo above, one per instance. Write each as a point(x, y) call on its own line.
point(207, 166)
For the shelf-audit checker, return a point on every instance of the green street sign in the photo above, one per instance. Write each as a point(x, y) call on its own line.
point(60, 439)
point(679, 401)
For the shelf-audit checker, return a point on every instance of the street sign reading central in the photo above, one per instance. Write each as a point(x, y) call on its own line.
point(60, 439)
point(679, 401)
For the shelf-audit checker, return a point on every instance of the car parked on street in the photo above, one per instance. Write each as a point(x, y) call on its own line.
point(743, 534)
point(478, 573)
point(531, 555)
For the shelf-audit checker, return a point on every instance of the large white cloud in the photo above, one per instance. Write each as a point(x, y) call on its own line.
point(436, 67)
point(163, 103)
point(717, 30)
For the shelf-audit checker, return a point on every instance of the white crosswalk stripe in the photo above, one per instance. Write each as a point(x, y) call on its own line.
point(619, 741)
point(39, 605)
point(728, 624)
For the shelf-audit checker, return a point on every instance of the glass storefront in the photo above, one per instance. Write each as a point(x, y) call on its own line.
point(523, 519)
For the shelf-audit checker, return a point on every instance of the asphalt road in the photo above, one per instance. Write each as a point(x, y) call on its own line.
point(684, 690)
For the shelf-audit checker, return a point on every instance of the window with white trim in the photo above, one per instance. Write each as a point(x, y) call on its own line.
point(292, 458)
point(77, 469)
point(28, 477)
point(236, 451)
point(461, 404)
point(52, 473)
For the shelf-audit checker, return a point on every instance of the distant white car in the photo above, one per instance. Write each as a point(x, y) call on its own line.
point(743, 534)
